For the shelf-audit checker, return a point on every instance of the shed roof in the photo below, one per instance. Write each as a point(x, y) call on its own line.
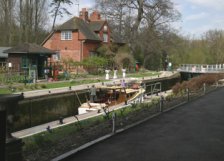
point(2, 54)
point(29, 48)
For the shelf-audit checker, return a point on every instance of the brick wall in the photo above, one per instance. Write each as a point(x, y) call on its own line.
point(67, 48)
point(74, 49)
point(15, 59)
point(102, 31)
point(88, 47)
point(95, 16)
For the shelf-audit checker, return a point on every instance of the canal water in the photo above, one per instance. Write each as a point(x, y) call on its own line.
point(36, 111)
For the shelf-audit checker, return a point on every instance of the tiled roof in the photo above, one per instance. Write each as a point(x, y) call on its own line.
point(76, 23)
point(116, 39)
point(96, 25)
point(29, 48)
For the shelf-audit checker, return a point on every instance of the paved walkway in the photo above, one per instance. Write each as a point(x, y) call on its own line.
point(41, 92)
point(192, 132)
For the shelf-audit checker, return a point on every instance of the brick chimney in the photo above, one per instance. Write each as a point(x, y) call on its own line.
point(84, 14)
point(95, 16)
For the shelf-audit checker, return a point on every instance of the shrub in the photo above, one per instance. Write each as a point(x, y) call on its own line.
point(43, 86)
point(197, 82)
point(155, 101)
point(176, 88)
point(169, 97)
point(20, 88)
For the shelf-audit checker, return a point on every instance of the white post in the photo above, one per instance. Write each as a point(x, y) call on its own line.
point(115, 74)
point(107, 74)
point(124, 74)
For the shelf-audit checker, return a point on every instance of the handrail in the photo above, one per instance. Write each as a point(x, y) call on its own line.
point(202, 68)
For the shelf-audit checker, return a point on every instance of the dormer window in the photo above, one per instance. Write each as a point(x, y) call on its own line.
point(105, 28)
point(66, 35)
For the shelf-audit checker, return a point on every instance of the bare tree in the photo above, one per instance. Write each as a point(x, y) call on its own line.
point(114, 10)
point(58, 9)
point(142, 24)
point(32, 18)
point(6, 7)
point(215, 45)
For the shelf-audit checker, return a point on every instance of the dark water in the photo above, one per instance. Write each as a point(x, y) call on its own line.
point(36, 111)
point(166, 84)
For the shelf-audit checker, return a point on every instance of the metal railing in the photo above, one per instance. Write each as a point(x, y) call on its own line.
point(157, 105)
point(202, 68)
point(118, 120)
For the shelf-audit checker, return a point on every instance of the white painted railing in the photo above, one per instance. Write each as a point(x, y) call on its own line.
point(202, 68)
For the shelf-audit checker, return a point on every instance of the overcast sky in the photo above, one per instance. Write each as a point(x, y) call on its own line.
point(198, 16)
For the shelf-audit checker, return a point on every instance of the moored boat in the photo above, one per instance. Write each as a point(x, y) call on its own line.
point(109, 96)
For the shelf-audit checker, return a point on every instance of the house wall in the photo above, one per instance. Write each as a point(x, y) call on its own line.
point(88, 47)
point(102, 31)
point(76, 49)
point(69, 49)
point(15, 59)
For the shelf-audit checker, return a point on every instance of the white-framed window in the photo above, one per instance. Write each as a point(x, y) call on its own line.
point(92, 53)
point(57, 56)
point(66, 35)
point(105, 37)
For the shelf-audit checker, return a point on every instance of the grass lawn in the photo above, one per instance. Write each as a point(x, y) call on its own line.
point(69, 83)
point(143, 74)
point(20, 87)
point(5, 91)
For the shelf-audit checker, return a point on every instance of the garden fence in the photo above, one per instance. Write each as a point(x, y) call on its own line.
point(137, 112)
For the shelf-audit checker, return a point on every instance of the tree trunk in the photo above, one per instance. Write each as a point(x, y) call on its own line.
point(55, 15)
point(138, 18)
point(36, 19)
point(21, 20)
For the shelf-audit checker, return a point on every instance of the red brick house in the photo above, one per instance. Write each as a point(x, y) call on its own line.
point(79, 37)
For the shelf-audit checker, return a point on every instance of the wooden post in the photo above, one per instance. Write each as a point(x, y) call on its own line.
point(204, 88)
point(113, 122)
point(188, 96)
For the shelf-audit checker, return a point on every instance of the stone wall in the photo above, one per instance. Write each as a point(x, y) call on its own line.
point(36, 111)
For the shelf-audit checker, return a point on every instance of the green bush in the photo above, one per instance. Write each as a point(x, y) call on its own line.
point(43, 86)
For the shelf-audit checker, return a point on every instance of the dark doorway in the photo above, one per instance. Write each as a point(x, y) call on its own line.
point(40, 67)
